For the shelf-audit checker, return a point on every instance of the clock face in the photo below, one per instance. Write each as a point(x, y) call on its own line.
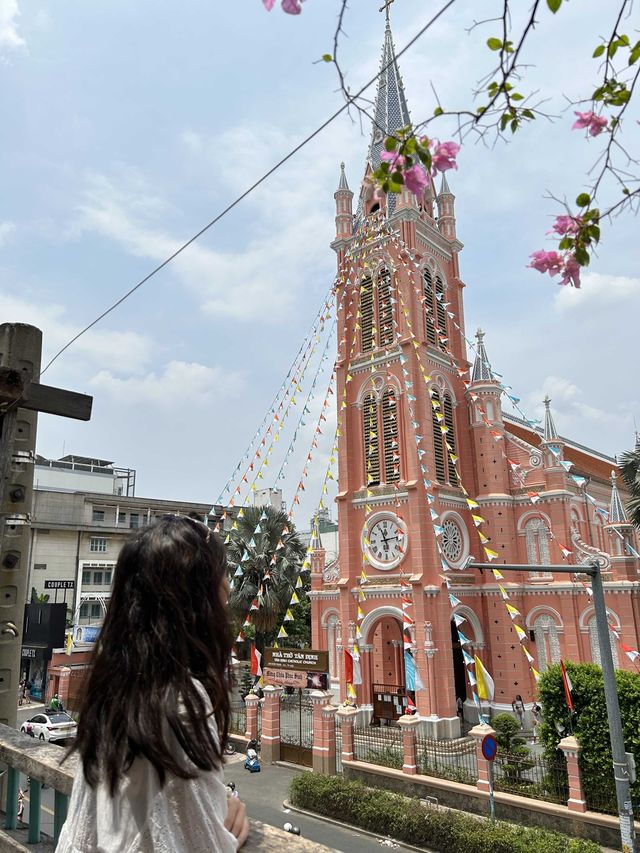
point(387, 541)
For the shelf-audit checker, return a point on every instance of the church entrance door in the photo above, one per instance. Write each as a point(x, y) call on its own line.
point(459, 669)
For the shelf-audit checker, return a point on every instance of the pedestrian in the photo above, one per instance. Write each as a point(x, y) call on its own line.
point(20, 804)
point(55, 704)
point(518, 710)
point(536, 712)
point(28, 686)
point(22, 691)
point(460, 707)
point(155, 714)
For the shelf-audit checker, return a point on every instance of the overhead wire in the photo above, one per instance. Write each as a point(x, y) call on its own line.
point(250, 189)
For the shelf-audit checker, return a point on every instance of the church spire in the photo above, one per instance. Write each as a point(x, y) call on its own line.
point(550, 431)
point(391, 111)
point(481, 367)
point(617, 512)
point(343, 185)
point(444, 185)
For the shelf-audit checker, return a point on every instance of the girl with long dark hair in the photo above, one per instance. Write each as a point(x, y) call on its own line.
point(154, 717)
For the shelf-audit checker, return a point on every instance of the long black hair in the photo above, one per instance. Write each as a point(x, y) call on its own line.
point(166, 625)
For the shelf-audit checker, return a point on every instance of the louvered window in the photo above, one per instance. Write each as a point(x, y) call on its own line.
point(438, 441)
point(371, 442)
point(366, 312)
point(447, 405)
point(390, 437)
point(429, 315)
point(385, 309)
point(441, 311)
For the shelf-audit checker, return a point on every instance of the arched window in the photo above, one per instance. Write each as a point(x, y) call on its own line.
point(429, 307)
point(371, 441)
point(438, 438)
point(547, 643)
point(390, 437)
point(441, 311)
point(537, 539)
point(594, 640)
point(385, 309)
point(447, 405)
point(366, 314)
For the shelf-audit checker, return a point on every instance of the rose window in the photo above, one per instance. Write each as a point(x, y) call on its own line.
point(452, 541)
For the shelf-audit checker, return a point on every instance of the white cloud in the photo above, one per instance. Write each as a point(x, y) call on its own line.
point(7, 230)
point(600, 292)
point(118, 350)
point(9, 13)
point(179, 384)
point(568, 407)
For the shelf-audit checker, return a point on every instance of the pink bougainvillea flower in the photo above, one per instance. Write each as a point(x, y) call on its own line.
point(393, 158)
point(571, 272)
point(566, 225)
point(590, 121)
point(444, 156)
point(551, 262)
point(292, 7)
point(416, 179)
point(269, 4)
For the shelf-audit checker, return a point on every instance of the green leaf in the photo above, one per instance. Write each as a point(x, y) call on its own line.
point(611, 50)
point(514, 125)
point(494, 44)
point(554, 5)
point(583, 200)
point(438, 111)
point(581, 256)
point(516, 96)
point(635, 54)
point(327, 57)
point(391, 143)
point(598, 51)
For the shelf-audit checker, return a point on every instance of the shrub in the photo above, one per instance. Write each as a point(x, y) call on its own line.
point(386, 756)
point(407, 819)
point(590, 725)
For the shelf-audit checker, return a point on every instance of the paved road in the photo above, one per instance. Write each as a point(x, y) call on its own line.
point(264, 794)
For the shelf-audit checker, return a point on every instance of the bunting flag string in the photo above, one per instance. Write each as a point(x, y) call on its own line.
point(287, 383)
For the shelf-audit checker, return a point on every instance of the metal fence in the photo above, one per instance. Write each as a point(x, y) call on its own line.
point(382, 746)
point(532, 776)
point(238, 718)
point(448, 759)
point(600, 793)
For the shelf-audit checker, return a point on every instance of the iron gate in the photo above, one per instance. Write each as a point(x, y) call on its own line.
point(296, 728)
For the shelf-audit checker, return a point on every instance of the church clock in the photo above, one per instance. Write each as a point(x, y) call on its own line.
point(384, 540)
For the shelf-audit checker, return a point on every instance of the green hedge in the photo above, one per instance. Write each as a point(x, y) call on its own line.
point(406, 819)
point(590, 725)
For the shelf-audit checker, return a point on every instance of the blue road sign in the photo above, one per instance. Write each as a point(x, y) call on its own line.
point(489, 747)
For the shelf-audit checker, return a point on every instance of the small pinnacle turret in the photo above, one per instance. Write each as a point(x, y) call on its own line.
point(444, 186)
point(344, 207)
point(617, 512)
point(481, 367)
point(446, 210)
point(343, 185)
point(550, 431)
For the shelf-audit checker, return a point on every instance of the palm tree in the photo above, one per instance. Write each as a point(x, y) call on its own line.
point(270, 554)
point(630, 468)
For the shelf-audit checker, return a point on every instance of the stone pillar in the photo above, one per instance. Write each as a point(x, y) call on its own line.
point(252, 703)
point(270, 738)
point(325, 761)
point(365, 666)
point(479, 732)
point(347, 717)
point(571, 749)
point(319, 699)
point(408, 724)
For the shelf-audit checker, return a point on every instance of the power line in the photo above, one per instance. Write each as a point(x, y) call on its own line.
point(250, 189)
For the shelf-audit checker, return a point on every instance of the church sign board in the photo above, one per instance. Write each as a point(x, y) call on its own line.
point(300, 668)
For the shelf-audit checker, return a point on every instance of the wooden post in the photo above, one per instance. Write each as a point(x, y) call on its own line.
point(21, 397)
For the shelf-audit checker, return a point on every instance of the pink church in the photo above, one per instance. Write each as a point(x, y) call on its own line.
point(424, 451)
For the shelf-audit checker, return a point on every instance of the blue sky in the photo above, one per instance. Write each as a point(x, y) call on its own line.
point(127, 126)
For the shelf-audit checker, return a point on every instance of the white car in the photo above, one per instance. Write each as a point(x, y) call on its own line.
point(54, 726)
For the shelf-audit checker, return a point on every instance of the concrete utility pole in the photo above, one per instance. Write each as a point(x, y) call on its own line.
point(620, 764)
point(21, 397)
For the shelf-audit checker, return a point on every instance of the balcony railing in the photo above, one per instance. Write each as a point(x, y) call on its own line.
point(41, 762)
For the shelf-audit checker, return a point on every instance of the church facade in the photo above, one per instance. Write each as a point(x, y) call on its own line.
point(433, 475)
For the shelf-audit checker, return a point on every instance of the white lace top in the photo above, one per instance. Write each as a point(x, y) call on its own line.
point(184, 816)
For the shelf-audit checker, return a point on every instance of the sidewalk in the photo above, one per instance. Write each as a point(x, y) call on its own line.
point(264, 794)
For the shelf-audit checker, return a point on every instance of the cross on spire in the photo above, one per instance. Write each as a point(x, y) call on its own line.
point(385, 8)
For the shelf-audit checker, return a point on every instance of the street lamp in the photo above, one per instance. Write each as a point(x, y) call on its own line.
point(620, 762)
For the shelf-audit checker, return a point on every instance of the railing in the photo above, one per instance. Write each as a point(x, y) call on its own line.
point(600, 793)
point(41, 762)
point(531, 776)
point(238, 718)
point(448, 759)
point(379, 745)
